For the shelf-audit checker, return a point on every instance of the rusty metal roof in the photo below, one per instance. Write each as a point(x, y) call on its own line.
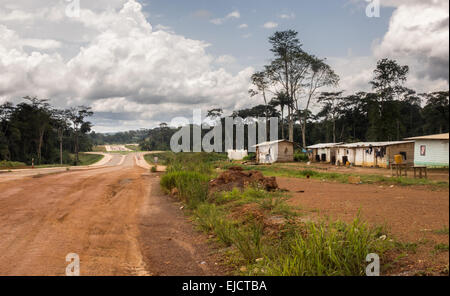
point(431, 137)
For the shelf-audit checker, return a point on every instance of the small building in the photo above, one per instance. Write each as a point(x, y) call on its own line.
point(323, 152)
point(366, 154)
point(237, 154)
point(375, 154)
point(431, 151)
point(275, 151)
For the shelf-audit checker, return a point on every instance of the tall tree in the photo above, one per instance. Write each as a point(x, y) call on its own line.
point(286, 48)
point(319, 75)
point(436, 112)
point(40, 117)
point(331, 108)
point(389, 78)
point(261, 85)
point(61, 124)
point(77, 116)
point(281, 100)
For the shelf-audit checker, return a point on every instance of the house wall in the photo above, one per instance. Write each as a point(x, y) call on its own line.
point(285, 152)
point(325, 151)
point(393, 150)
point(341, 152)
point(281, 152)
point(237, 154)
point(365, 157)
point(436, 154)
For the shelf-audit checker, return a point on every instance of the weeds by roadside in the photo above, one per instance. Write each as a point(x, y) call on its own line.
point(264, 235)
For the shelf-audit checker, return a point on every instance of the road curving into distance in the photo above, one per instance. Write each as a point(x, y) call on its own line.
point(112, 214)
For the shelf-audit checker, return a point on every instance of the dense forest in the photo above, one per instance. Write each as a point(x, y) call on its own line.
point(35, 131)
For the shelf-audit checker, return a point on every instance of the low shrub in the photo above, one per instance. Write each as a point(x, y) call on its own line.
point(192, 186)
point(300, 156)
point(250, 157)
point(11, 164)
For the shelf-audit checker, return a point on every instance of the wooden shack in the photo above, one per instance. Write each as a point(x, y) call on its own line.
point(275, 151)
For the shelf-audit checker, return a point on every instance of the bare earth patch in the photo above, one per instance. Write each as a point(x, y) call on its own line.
point(412, 215)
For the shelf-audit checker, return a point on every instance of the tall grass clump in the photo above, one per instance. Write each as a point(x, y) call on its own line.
point(328, 249)
point(190, 174)
point(192, 187)
point(247, 239)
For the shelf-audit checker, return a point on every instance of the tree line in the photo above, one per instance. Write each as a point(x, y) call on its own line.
point(295, 80)
point(35, 132)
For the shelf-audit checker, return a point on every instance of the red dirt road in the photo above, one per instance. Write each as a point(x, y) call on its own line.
point(108, 216)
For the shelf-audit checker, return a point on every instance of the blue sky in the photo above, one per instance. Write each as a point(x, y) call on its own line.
point(327, 28)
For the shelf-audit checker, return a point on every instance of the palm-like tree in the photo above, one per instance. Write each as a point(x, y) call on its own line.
point(282, 100)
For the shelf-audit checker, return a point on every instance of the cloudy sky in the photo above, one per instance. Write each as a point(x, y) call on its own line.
point(142, 62)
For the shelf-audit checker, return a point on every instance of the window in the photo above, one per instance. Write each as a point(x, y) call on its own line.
point(423, 150)
point(404, 155)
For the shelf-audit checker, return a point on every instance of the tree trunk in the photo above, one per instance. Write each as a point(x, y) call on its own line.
point(60, 135)
point(291, 126)
point(76, 148)
point(334, 131)
point(41, 139)
point(282, 123)
point(304, 133)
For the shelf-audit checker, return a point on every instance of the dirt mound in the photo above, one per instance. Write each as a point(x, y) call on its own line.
point(236, 177)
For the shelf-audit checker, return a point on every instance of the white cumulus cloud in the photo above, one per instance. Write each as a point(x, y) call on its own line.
point(270, 25)
point(112, 59)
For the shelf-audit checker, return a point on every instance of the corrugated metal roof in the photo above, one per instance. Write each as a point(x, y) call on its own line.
point(373, 144)
point(271, 143)
point(323, 145)
point(431, 137)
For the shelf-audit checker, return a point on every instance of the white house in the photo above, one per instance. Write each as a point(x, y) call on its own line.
point(431, 151)
point(237, 154)
point(323, 152)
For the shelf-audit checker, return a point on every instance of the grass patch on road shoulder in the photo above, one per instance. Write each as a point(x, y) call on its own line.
point(262, 234)
point(89, 159)
point(5, 165)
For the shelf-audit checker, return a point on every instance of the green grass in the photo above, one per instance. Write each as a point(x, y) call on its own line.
point(133, 147)
point(89, 159)
point(4, 164)
point(84, 160)
point(162, 158)
point(326, 249)
point(441, 248)
point(192, 186)
point(99, 149)
point(442, 231)
point(279, 171)
point(290, 247)
point(302, 249)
